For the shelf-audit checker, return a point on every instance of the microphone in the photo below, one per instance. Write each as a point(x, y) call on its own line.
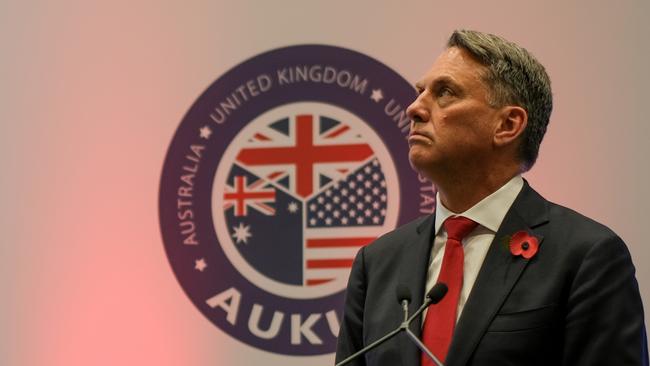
point(404, 298)
point(403, 293)
point(437, 292)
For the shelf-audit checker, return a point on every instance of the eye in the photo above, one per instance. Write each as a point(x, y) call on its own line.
point(444, 92)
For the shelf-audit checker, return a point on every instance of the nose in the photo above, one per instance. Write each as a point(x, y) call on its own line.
point(418, 111)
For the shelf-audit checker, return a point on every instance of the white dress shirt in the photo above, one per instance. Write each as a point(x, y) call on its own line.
point(489, 214)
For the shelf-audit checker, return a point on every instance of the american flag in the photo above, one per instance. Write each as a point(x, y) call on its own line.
point(341, 219)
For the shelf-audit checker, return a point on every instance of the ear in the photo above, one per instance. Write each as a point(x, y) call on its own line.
point(512, 123)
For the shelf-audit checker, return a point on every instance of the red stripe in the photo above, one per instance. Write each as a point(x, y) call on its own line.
point(317, 281)
point(259, 136)
point(337, 132)
point(338, 242)
point(329, 263)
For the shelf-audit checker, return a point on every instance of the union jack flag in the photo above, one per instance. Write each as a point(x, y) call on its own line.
point(242, 195)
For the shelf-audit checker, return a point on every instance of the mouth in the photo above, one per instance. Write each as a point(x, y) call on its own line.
point(416, 137)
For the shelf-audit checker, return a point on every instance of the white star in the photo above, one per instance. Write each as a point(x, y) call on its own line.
point(360, 191)
point(328, 192)
point(205, 132)
point(200, 264)
point(344, 192)
point(312, 221)
point(377, 95)
point(336, 213)
point(367, 184)
point(360, 205)
point(242, 233)
point(375, 176)
point(368, 198)
point(352, 213)
point(375, 205)
point(344, 205)
point(353, 184)
point(375, 191)
point(382, 184)
point(360, 220)
point(320, 214)
point(344, 220)
point(336, 199)
point(367, 169)
point(375, 163)
point(383, 212)
point(328, 206)
point(321, 199)
point(367, 212)
point(353, 199)
point(359, 177)
point(328, 221)
point(312, 207)
point(382, 198)
point(293, 207)
point(375, 219)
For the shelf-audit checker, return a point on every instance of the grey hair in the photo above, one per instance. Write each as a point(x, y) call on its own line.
point(513, 76)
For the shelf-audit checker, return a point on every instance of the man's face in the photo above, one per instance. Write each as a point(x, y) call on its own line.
point(452, 123)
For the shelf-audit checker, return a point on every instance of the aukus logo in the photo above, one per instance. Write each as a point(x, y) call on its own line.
point(280, 171)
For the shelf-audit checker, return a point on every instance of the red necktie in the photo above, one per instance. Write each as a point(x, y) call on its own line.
point(441, 318)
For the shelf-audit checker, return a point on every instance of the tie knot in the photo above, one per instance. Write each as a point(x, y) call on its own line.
point(458, 227)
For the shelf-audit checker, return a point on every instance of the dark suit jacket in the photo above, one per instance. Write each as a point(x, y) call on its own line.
point(576, 302)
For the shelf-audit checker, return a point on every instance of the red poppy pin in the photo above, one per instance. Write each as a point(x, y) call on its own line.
point(523, 244)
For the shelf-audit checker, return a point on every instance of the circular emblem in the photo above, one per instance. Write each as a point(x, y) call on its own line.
point(278, 174)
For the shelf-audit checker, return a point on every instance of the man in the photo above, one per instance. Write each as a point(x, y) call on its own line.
point(530, 282)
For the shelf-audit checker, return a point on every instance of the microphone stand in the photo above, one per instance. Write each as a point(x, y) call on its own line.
point(402, 327)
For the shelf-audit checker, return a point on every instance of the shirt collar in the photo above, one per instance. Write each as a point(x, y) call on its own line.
point(490, 211)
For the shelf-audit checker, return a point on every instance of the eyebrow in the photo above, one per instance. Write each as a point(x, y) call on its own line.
point(443, 79)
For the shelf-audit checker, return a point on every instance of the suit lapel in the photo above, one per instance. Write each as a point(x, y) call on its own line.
point(413, 272)
point(499, 273)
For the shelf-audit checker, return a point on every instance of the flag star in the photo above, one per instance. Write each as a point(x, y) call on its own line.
point(336, 199)
point(353, 184)
point(367, 169)
point(367, 212)
point(360, 206)
point(242, 233)
point(336, 213)
point(375, 162)
point(320, 214)
point(205, 132)
point(353, 199)
point(328, 192)
point(352, 213)
point(359, 177)
point(344, 192)
point(382, 184)
point(360, 220)
point(375, 176)
point(200, 264)
point(368, 198)
point(360, 191)
point(383, 212)
point(293, 207)
point(344, 205)
point(367, 184)
point(375, 191)
point(375, 219)
point(328, 221)
point(377, 95)
point(321, 199)
point(312, 207)
point(312, 221)
point(382, 198)
point(328, 206)
point(375, 205)
point(344, 220)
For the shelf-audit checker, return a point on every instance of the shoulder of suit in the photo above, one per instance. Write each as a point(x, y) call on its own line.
point(396, 239)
